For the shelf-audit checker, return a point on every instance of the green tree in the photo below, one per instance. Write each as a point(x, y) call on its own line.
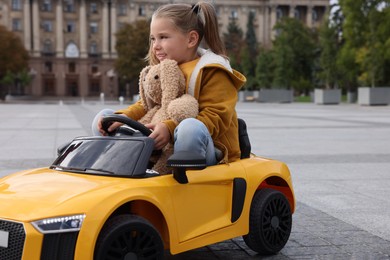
point(283, 56)
point(248, 68)
point(13, 55)
point(250, 35)
point(372, 56)
point(248, 52)
point(329, 41)
point(366, 31)
point(14, 59)
point(264, 68)
point(294, 54)
point(24, 78)
point(233, 40)
point(132, 47)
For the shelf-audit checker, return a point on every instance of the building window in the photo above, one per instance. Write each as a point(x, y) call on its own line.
point(46, 6)
point(297, 14)
point(16, 25)
point(93, 8)
point(122, 9)
point(72, 51)
point(72, 67)
point(233, 14)
point(218, 11)
point(93, 28)
point(141, 11)
point(94, 68)
point(70, 26)
point(94, 88)
point(47, 26)
point(93, 48)
point(279, 13)
point(48, 67)
point(314, 15)
point(49, 88)
point(69, 6)
point(16, 5)
point(47, 47)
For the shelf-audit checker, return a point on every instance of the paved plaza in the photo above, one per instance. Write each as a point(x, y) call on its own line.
point(339, 157)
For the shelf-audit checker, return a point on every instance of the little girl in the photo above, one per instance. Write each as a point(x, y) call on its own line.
point(176, 32)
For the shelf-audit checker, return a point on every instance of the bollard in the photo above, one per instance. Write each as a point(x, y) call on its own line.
point(121, 99)
point(102, 98)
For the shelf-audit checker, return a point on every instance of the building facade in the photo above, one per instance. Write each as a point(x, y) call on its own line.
point(72, 43)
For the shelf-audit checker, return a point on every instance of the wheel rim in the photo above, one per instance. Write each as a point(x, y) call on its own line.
point(133, 245)
point(276, 222)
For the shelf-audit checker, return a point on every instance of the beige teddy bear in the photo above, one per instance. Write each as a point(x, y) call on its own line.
point(162, 89)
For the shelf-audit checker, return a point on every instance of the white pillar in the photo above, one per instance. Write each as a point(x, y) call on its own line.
point(261, 25)
point(59, 30)
point(27, 25)
point(292, 11)
point(4, 20)
point(113, 28)
point(105, 30)
point(273, 21)
point(36, 26)
point(309, 16)
point(83, 30)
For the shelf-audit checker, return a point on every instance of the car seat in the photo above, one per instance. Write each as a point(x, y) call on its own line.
point(245, 145)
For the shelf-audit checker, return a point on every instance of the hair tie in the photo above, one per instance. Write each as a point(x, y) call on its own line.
point(195, 8)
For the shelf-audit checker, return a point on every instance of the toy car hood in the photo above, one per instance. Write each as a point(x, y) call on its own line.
point(44, 192)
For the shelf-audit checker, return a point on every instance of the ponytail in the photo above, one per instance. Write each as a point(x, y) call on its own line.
point(207, 17)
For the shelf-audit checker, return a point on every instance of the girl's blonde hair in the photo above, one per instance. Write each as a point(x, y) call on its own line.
point(200, 17)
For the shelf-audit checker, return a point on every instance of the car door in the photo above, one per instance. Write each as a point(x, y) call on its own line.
point(204, 204)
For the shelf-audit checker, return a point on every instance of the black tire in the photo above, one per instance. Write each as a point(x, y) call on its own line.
point(270, 222)
point(129, 237)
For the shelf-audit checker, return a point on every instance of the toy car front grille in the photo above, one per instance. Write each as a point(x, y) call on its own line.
point(59, 246)
point(15, 236)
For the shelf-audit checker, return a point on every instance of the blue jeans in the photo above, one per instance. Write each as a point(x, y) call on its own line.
point(190, 135)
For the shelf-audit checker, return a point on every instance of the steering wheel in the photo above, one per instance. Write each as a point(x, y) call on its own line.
point(108, 120)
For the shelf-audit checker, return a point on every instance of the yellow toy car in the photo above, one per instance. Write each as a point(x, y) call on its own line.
point(98, 200)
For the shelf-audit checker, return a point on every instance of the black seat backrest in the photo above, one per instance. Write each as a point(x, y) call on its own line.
point(245, 145)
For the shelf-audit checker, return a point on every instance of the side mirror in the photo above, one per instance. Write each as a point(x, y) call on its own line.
point(62, 148)
point(181, 161)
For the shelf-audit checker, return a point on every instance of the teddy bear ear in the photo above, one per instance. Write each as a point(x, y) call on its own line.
point(142, 78)
point(144, 72)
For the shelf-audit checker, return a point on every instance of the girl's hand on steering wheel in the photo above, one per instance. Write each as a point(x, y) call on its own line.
point(111, 128)
point(160, 134)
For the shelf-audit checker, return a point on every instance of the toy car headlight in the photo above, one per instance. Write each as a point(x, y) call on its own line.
point(59, 224)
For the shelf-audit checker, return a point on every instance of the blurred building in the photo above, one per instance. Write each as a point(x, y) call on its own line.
point(72, 43)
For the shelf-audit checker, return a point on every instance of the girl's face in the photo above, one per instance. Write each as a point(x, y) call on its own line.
point(168, 42)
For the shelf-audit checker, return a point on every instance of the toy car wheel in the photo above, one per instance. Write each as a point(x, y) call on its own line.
point(270, 222)
point(129, 237)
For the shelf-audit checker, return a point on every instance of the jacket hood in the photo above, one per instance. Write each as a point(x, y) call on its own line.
point(210, 59)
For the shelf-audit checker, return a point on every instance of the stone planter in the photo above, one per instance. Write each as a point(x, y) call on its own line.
point(248, 95)
point(276, 96)
point(327, 96)
point(373, 96)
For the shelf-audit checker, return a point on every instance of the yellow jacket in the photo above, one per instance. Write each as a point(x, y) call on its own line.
point(215, 85)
